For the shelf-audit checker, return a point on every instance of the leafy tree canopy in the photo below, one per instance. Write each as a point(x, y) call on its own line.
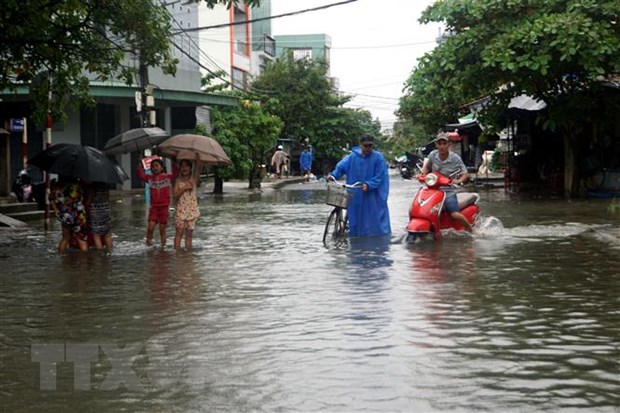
point(551, 50)
point(247, 134)
point(302, 90)
point(64, 38)
point(299, 92)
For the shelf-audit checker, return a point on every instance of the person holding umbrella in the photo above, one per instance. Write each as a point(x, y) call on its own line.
point(66, 200)
point(160, 191)
point(97, 200)
point(187, 211)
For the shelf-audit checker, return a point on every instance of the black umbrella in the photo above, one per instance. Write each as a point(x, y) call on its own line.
point(135, 140)
point(77, 161)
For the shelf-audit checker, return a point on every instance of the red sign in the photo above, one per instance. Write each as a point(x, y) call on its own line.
point(146, 162)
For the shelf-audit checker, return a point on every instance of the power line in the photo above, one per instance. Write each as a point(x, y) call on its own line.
point(370, 96)
point(292, 43)
point(197, 45)
point(217, 26)
point(384, 46)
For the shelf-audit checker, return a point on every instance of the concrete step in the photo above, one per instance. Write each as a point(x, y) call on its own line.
point(7, 200)
point(6, 221)
point(27, 216)
point(16, 207)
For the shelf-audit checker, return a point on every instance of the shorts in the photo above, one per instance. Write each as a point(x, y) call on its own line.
point(189, 224)
point(451, 204)
point(159, 214)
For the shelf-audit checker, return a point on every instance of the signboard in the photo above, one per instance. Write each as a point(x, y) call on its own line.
point(17, 124)
point(146, 162)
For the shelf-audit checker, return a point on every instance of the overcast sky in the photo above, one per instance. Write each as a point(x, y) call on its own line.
point(375, 45)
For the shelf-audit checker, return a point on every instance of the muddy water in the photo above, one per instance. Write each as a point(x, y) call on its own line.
point(260, 317)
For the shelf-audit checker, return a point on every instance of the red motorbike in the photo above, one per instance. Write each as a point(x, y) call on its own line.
point(426, 216)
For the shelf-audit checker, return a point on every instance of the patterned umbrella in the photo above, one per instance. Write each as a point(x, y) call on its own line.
point(194, 147)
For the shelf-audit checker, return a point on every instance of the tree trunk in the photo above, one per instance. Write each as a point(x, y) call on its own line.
point(571, 178)
point(218, 185)
point(256, 176)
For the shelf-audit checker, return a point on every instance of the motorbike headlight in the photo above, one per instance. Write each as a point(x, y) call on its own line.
point(430, 179)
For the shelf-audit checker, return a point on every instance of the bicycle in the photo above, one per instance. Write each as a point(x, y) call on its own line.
point(337, 226)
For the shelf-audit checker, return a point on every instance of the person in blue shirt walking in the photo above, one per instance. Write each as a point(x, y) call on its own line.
point(368, 210)
point(305, 161)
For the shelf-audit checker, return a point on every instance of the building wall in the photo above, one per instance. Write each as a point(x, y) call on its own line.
point(262, 53)
point(215, 43)
point(199, 52)
point(315, 46)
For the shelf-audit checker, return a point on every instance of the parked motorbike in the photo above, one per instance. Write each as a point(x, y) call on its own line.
point(26, 190)
point(408, 167)
point(426, 217)
point(406, 171)
point(22, 187)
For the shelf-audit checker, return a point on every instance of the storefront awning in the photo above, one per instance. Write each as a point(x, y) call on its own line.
point(524, 102)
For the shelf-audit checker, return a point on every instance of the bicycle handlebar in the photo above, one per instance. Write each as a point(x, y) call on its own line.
point(357, 184)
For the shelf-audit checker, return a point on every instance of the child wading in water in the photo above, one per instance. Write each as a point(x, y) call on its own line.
point(98, 207)
point(160, 192)
point(66, 200)
point(187, 212)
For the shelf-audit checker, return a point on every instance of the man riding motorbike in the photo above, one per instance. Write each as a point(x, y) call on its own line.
point(450, 164)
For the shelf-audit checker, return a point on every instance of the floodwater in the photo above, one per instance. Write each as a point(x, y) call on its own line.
point(523, 317)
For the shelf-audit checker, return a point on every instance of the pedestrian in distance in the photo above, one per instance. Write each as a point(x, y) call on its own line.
point(449, 164)
point(305, 161)
point(279, 160)
point(160, 193)
point(368, 210)
point(187, 212)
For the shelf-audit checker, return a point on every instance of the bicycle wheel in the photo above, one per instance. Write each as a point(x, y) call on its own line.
point(335, 233)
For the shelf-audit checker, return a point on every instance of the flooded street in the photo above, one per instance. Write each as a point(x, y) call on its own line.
point(524, 316)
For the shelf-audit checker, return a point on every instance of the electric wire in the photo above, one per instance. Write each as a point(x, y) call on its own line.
point(371, 104)
point(253, 90)
point(217, 26)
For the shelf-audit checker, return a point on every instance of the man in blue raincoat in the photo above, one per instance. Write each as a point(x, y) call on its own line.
point(368, 210)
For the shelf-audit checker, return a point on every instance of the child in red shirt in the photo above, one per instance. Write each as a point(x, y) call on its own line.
point(160, 184)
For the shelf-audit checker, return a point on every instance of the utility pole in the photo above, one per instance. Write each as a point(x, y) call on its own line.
point(49, 122)
point(147, 106)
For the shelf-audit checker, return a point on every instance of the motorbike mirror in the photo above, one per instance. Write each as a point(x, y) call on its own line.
point(421, 165)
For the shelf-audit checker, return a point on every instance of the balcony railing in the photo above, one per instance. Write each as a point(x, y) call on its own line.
point(269, 45)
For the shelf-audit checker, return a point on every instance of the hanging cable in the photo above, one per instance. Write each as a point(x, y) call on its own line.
point(217, 26)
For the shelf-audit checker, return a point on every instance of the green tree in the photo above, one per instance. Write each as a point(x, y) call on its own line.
point(247, 133)
point(557, 51)
point(302, 91)
point(299, 92)
point(407, 137)
point(340, 129)
point(52, 43)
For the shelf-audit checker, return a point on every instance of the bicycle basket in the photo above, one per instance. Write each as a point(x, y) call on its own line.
point(338, 196)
